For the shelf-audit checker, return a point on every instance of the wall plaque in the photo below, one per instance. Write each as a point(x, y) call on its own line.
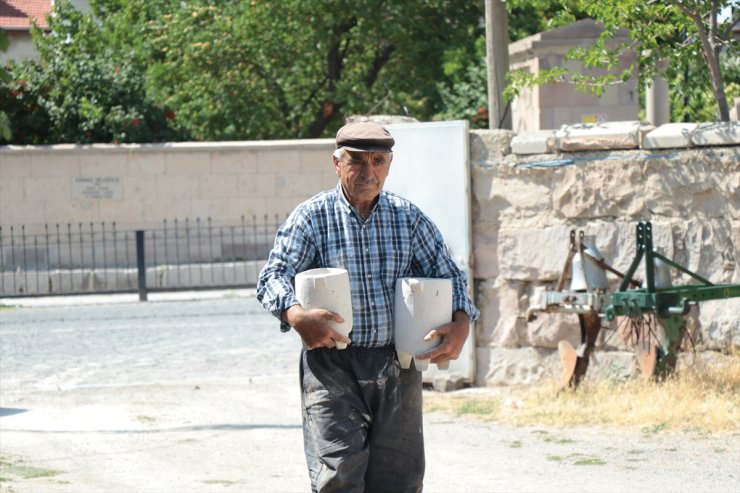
point(97, 187)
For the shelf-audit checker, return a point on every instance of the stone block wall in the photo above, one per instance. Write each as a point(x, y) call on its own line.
point(524, 207)
point(147, 184)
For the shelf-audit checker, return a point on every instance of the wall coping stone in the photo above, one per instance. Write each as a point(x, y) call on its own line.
point(189, 146)
point(600, 136)
point(670, 135)
point(719, 133)
point(626, 135)
point(537, 142)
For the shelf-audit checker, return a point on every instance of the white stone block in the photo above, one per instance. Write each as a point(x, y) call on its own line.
point(719, 133)
point(523, 366)
point(489, 146)
point(11, 190)
point(540, 142)
point(191, 162)
point(103, 163)
point(62, 163)
point(527, 254)
point(218, 187)
point(670, 135)
point(14, 162)
point(599, 136)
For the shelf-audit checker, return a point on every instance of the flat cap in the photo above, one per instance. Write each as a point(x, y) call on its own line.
point(365, 137)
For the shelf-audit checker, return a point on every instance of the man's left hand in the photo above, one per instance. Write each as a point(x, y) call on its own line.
point(453, 334)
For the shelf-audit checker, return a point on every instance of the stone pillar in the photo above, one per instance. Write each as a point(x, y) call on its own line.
point(735, 111)
point(657, 102)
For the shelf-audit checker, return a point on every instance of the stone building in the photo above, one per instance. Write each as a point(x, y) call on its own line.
point(553, 105)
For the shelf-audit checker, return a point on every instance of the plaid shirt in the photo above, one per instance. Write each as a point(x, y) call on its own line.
point(397, 240)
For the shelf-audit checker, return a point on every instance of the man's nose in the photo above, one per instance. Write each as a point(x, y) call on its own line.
point(365, 168)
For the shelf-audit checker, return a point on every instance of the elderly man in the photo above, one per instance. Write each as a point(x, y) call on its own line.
point(362, 413)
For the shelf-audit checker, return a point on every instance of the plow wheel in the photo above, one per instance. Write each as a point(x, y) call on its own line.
point(656, 340)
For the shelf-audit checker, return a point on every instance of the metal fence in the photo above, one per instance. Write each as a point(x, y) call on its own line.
point(81, 258)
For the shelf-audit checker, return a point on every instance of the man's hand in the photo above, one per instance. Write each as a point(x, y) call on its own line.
point(453, 334)
point(314, 326)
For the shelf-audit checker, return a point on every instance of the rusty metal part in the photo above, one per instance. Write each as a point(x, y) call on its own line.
point(575, 362)
point(568, 358)
point(568, 261)
point(647, 358)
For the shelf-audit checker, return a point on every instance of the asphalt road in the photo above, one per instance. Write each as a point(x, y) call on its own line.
point(73, 346)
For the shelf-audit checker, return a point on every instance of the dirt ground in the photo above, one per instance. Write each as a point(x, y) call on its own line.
point(201, 396)
point(245, 436)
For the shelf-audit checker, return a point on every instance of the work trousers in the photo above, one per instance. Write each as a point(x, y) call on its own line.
point(362, 421)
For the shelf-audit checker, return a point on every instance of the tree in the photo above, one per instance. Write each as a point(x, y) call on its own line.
point(293, 68)
point(463, 91)
point(231, 69)
point(81, 90)
point(686, 33)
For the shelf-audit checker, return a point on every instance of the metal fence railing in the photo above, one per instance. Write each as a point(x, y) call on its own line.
point(77, 258)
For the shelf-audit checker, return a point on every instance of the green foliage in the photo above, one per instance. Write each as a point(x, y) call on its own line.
point(5, 132)
point(466, 99)
point(693, 102)
point(294, 68)
point(81, 90)
point(528, 17)
point(29, 121)
point(244, 70)
point(464, 91)
point(158, 70)
point(659, 32)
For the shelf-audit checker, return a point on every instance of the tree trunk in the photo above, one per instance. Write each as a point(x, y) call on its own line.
point(712, 57)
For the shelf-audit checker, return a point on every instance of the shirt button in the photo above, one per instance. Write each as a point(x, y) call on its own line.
point(369, 276)
point(367, 250)
point(372, 303)
point(375, 331)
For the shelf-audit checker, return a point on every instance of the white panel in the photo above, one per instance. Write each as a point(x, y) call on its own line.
point(430, 168)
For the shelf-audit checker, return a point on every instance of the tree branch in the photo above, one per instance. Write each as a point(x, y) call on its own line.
point(381, 58)
point(718, 85)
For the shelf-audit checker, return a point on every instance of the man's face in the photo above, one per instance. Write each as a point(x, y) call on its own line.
point(363, 174)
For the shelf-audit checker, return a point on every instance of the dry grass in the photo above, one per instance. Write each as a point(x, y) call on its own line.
point(705, 400)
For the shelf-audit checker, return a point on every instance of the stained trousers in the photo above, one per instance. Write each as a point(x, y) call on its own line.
point(362, 421)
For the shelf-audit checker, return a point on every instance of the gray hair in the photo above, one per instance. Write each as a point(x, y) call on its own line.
point(341, 152)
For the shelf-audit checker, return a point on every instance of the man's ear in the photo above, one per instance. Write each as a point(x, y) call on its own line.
point(336, 164)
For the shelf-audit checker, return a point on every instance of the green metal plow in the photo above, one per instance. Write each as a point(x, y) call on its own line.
point(669, 305)
point(656, 314)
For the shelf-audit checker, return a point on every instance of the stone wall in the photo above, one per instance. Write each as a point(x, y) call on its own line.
point(528, 192)
point(524, 206)
point(142, 185)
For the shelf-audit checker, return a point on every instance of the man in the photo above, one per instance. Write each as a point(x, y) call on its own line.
point(362, 413)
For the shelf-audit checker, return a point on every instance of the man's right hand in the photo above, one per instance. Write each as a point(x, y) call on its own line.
point(314, 326)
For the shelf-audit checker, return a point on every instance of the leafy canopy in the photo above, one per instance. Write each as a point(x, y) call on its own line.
point(235, 69)
point(82, 90)
point(670, 37)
